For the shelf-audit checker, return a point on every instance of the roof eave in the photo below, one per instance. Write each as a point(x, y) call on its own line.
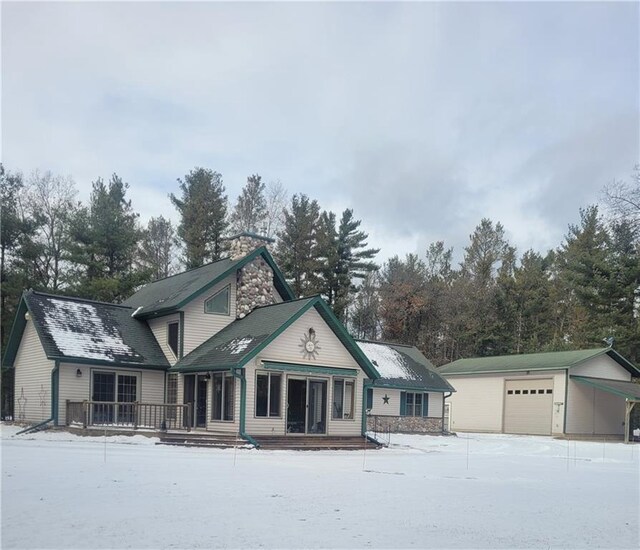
point(100, 362)
point(279, 282)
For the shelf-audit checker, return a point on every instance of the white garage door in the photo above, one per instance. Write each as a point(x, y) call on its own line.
point(528, 406)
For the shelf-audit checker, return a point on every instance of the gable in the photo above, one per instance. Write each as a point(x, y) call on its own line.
point(174, 293)
point(288, 347)
point(601, 366)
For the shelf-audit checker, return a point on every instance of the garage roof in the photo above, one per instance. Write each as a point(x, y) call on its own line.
point(552, 360)
point(629, 390)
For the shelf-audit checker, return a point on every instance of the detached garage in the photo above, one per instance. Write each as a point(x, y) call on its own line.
point(585, 392)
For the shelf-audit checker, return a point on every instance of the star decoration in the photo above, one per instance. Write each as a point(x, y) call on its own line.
point(385, 399)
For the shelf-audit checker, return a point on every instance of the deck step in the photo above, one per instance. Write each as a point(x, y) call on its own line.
point(202, 439)
point(306, 443)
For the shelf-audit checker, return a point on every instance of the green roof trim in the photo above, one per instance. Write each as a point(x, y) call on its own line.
point(552, 360)
point(143, 350)
point(171, 294)
point(15, 336)
point(241, 341)
point(310, 369)
point(621, 388)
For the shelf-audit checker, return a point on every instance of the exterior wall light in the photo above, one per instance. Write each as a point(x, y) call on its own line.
point(79, 373)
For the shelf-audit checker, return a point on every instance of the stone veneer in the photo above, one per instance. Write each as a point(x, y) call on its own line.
point(254, 283)
point(254, 287)
point(404, 424)
point(245, 243)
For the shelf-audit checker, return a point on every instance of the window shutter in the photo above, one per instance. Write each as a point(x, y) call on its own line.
point(403, 403)
point(425, 404)
point(369, 398)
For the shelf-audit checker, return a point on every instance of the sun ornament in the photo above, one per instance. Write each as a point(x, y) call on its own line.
point(309, 345)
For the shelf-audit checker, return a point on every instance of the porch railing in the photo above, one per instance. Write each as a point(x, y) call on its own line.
point(153, 416)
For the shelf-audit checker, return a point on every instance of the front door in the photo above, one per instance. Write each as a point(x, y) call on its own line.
point(306, 406)
point(201, 402)
point(296, 405)
point(189, 397)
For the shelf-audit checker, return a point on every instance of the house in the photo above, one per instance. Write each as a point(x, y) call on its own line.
point(587, 393)
point(398, 401)
point(224, 348)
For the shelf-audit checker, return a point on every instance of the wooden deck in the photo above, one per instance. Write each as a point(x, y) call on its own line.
point(297, 443)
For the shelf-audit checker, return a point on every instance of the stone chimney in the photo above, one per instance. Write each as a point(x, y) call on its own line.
point(254, 282)
point(245, 243)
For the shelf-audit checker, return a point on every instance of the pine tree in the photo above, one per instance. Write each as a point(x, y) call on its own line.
point(203, 210)
point(250, 211)
point(585, 270)
point(156, 252)
point(354, 261)
point(328, 258)
point(365, 318)
point(296, 252)
point(106, 236)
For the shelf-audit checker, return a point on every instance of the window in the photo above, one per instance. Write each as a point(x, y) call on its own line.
point(268, 394)
point(172, 336)
point(343, 396)
point(218, 304)
point(223, 396)
point(110, 388)
point(369, 398)
point(172, 395)
point(413, 404)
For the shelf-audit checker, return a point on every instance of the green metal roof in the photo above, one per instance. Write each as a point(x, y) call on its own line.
point(552, 360)
point(242, 340)
point(172, 293)
point(628, 390)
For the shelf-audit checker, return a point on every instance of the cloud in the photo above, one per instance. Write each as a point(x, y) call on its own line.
point(423, 117)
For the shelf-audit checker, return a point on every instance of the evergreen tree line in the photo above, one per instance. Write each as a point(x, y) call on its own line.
point(52, 242)
point(494, 302)
point(585, 293)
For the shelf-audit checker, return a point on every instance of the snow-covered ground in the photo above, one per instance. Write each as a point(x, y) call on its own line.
point(475, 491)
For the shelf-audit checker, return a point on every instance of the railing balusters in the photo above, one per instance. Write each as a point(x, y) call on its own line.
point(129, 414)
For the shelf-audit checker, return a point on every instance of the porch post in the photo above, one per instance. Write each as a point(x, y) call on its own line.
point(628, 407)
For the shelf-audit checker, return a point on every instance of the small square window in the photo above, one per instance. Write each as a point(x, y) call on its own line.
point(540, 391)
point(510, 392)
point(517, 392)
point(549, 391)
point(525, 392)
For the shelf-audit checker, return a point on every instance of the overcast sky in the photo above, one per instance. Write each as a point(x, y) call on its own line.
point(422, 117)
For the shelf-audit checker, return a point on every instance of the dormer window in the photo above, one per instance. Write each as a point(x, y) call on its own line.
point(172, 336)
point(218, 304)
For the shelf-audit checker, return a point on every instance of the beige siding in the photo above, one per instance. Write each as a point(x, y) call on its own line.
point(159, 328)
point(478, 403)
point(435, 405)
point(32, 379)
point(286, 348)
point(200, 326)
point(150, 385)
point(380, 408)
point(593, 412)
point(601, 367)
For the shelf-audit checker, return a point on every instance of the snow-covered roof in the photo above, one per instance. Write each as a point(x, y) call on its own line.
point(403, 366)
point(72, 328)
point(388, 362)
